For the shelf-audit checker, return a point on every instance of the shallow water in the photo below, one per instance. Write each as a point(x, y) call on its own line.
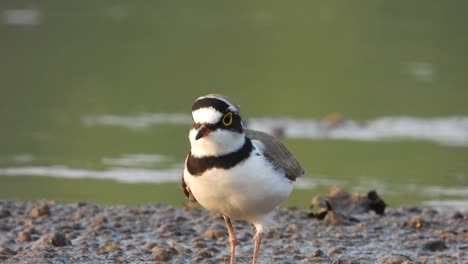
point(95, 97)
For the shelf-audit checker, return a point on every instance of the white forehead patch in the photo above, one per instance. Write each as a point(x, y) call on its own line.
point(206, 115)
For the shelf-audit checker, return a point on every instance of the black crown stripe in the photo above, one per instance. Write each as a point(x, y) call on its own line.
point(216, 103)
point(197, 166)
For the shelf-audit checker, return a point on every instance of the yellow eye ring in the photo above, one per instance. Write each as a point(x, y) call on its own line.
point(227, 119)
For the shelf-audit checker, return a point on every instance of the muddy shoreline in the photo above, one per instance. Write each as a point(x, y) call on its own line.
point(48, 232)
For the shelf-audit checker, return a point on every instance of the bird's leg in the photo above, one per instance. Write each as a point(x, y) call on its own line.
point(257, 239)
point(232, 238)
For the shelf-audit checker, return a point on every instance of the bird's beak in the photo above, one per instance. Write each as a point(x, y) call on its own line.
point(203, 132)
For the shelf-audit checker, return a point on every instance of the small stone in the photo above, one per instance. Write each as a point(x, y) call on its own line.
point(98, 221)
point(7, 251)
point(41, 210)
point(434, 245)
point(392, 258)
point(110, 246)
point(24, 237)
point(292, 249)
point(149, 245)
point(316, 243)
point(318, 253)
point(417, 222)
point(57, 239)
point(160, 255)
point(4, 212)
point(335, 250)
point(457, 215)
point(4, 227)
point(202, 254)
point(213, 234)
point(200, 244)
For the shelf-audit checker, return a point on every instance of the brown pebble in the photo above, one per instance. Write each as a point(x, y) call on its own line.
point(292, 249)
point(98, 221)
point(213, 234)
point(417, 222)
point(434, 245)
point(333, 219)
point(57, 239)
point(24, 237)
point(110, 246)
point(4, 227)
point(335, 250)
point(160, 255)
point(202, 254)
point(316, 243)
point(318, 253)
point(7, 251)
point(200, 245)
point(149, 245)
point(41, 210)
point(392, 258)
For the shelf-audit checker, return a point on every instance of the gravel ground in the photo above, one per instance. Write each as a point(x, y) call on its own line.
point(47, 232)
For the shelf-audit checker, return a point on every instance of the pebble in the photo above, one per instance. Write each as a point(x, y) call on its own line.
point(56, 239)
point(160, 255)
point(213, 234)
point(4, 212)
point(318, 253)
point(40, 210)
point(392, 258)
point(24, 237)
point(417, 222)
point(7, 251)
point(335, 250)
point(109, 246)
point(434, 245)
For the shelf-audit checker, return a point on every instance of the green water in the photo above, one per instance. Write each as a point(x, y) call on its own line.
point(364, 59)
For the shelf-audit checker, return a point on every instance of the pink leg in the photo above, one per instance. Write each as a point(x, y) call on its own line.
point(232, 238)
point(258, 239)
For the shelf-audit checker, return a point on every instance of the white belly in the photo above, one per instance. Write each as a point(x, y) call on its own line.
point(247, 191)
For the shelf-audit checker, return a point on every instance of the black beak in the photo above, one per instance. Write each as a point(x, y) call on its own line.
point(203, 132)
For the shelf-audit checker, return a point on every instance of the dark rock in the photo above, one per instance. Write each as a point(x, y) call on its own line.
point(7, 251)
point(457, 215)
point(4, 212)
point(434, 245)
point(318, 253)
point(202, 255)
point(57, 239)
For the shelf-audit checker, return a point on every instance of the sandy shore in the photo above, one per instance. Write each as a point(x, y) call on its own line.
point(46, 232)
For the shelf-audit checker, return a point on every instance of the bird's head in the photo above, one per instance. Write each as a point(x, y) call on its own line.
point(217, 126)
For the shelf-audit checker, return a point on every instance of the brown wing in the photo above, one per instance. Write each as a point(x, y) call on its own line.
point(187, 191)
point(277, 154)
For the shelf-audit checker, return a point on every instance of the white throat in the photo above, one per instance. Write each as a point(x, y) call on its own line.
point(217, 143)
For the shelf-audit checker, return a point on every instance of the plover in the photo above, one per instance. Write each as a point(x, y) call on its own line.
point(239, 173)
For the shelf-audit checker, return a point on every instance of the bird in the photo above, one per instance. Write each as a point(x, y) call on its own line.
point(235, 172)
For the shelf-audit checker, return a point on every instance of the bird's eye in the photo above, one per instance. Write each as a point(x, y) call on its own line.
point(227, 119)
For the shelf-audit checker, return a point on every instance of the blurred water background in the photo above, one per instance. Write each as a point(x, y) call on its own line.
point(96, 95)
